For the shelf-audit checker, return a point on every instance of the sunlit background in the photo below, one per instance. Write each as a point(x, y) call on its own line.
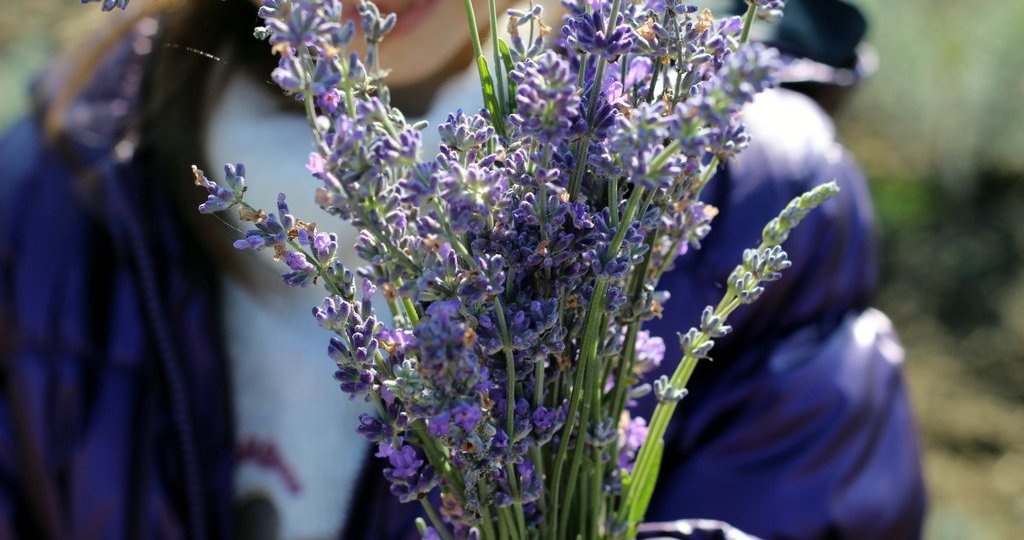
point(940, 132)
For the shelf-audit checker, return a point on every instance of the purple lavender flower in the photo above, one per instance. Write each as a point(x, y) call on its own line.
point(297, 25)
point(269, 232)
point(520, 50)
point(298, 262)
point(511, 260)
point(547, 422)
point(221, 198)
point(326, 74)
point(638, 142)
point(374, 26)
point(466, 416)
point(471, 193)
point(747, 72)
point(359, 341)
point(373, 428)
point(404, 462)
point(650, 350)
point(410, 480)
point(547, 106)
point(461, 133)
point(588, 33)
point(632, 434)
point(440, 424)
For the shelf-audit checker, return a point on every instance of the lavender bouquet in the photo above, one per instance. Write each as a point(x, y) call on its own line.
point(519, 263)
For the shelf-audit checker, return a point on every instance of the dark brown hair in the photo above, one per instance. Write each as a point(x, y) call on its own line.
point(199, 45)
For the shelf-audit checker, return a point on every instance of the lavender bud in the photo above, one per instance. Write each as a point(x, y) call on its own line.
point(712, 324)
point(693, 343)
point(639, 391)
point(777, 230)
point(666, 393)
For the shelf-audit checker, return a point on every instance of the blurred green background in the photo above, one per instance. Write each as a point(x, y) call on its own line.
point(940, 132)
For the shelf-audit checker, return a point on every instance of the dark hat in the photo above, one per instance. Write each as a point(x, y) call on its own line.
point(822, 39)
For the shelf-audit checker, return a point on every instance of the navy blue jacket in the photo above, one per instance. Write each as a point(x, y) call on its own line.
point(115, 417)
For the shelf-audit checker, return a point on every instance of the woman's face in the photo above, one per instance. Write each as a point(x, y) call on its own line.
point(428, 37)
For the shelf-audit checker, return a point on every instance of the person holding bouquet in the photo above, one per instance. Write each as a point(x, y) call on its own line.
point(155, 387)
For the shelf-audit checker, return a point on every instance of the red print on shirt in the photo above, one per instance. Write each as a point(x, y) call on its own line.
point(264, 454)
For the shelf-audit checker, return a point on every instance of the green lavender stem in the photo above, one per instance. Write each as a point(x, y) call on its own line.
point(499, 78)
point(587, 371)
point(639, 485)
point(748, 21)
point(583, 147)
point(487, 83)
point(435, 520)
point(474, 33)
point(575, 397)
point(629, 349)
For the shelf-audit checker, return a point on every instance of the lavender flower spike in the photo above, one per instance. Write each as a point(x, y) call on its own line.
point(769, 10)
point(109, 5)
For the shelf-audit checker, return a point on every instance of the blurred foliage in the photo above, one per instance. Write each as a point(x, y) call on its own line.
point(940, 132)
point(31, 34)
point(946, 104)
point(957, 260)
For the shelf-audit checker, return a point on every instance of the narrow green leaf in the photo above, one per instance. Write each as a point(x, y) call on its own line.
point(506, 58)
point(647, 485)
point(490, 98)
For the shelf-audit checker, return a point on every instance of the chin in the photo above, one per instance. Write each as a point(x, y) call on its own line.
point(429, 40)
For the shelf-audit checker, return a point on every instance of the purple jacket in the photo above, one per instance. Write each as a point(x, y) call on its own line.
point(115, 417)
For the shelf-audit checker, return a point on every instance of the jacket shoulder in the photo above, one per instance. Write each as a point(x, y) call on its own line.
point(20, 147)
point(792, 139)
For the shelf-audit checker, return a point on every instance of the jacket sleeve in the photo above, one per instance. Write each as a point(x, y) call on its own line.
point(56, 377)
point(800, 427)
point(71, 369)
point(19, 154)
